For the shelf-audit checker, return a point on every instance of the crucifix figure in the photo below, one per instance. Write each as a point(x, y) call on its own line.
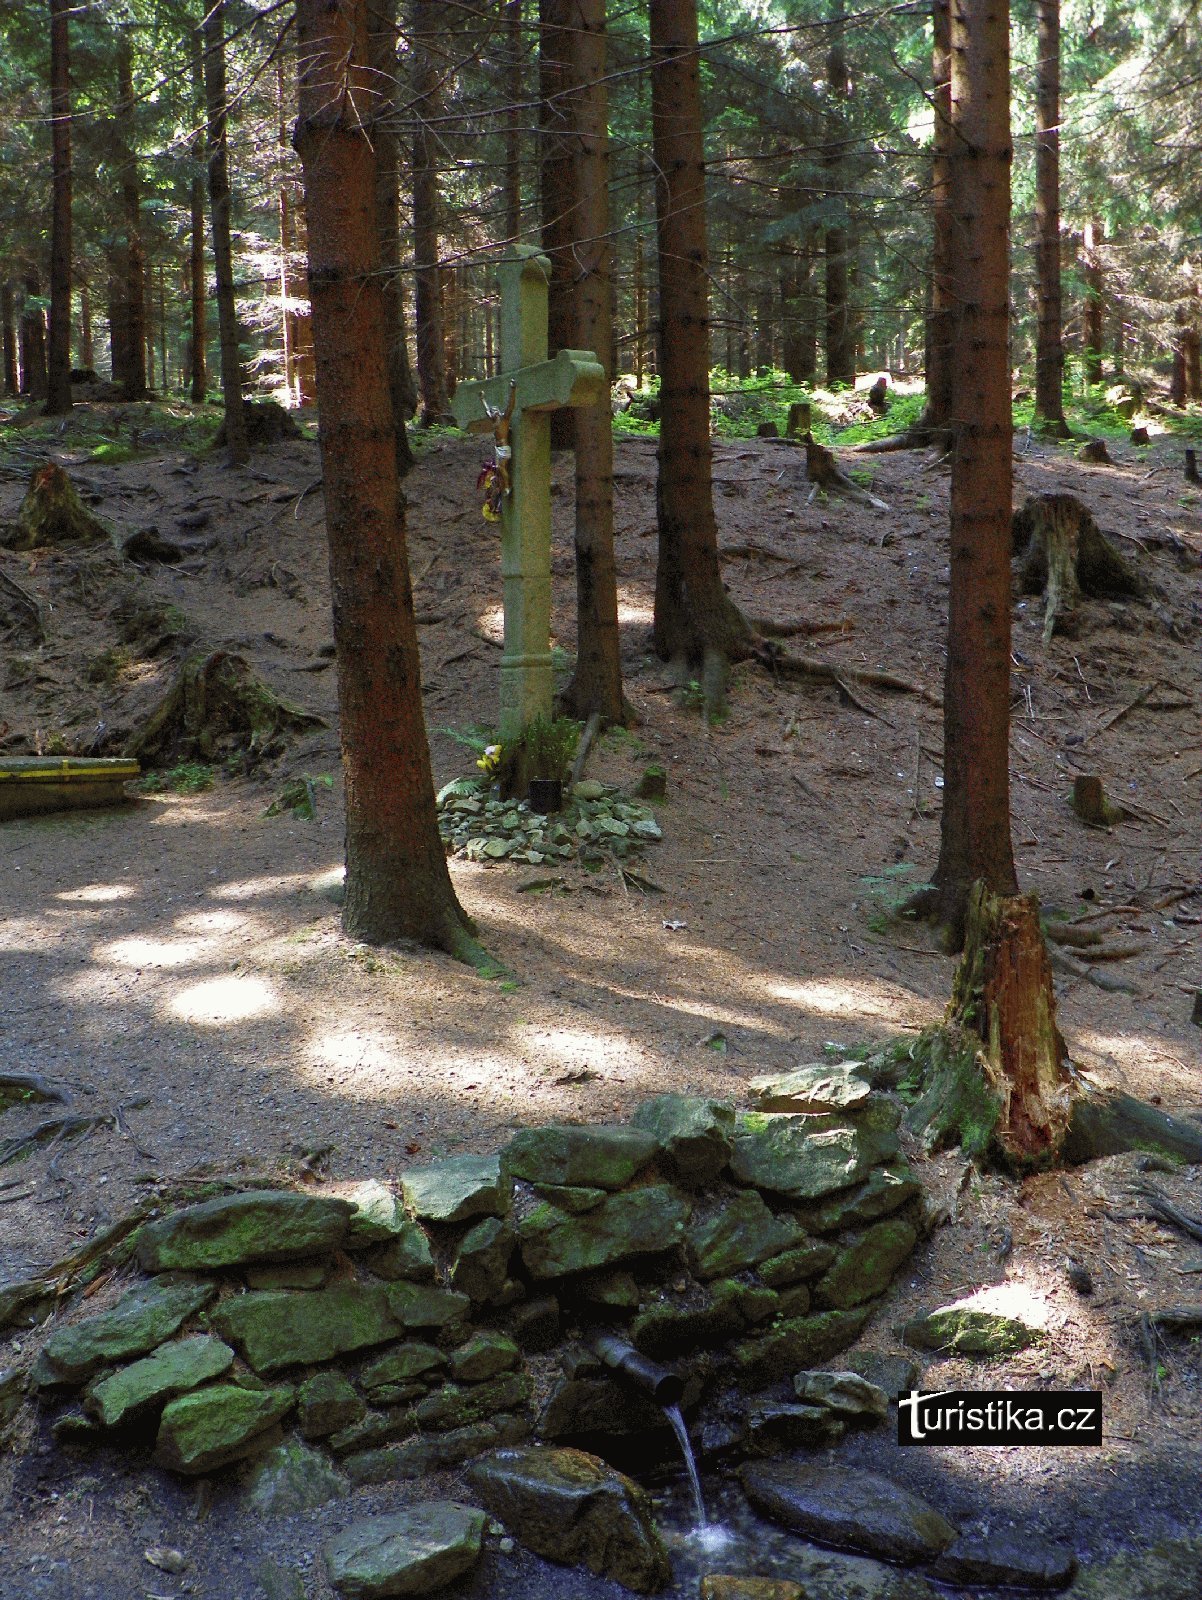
point(515, 408)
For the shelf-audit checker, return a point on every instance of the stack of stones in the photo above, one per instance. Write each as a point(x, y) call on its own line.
point(402, 1331)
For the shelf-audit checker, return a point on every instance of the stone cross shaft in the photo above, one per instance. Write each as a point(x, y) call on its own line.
point(528, 387)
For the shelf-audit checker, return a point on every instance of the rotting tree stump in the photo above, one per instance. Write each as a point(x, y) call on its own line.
point(1063, 552)
point(217, 707)
point(267, 423)
point(52, 513)
point(994, 1075)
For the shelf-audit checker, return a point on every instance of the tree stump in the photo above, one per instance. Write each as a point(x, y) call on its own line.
point(216, 706)
point(1191, 467)
point(994, 1074)
point(1063, 551)
point(1095, 450)
point(878, 395)
point(1140, 436)
point(797, 425)
point(1091, 805)
point(52, 513)
point(267, 422)
point(825, 473)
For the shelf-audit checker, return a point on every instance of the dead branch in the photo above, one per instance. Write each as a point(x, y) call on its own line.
point(1063, 962)
point(814, 670)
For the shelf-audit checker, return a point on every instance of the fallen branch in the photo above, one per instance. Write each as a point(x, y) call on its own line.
point(1063, 962)
point(28, 603)
point(591, 728)
point(1172, 1214)
point(51, 1132)
point(814, 670)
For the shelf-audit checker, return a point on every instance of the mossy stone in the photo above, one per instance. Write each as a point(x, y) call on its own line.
point(373, 1430)
point(292, 1478)
point(142, 1319)
point(325, 1403)
point(435, 1452)
point(808, 1158)
point(795, 1266)
point(816, 1087)
point(215, 1426)
point(485, 1355)
point(694, 1135)
point(863, 1269)
point(570, 1198)
point(238, 1229)
point(885, 1190)
point(456, 1189)
point(288, 1275)
point(406, 1255)
point(481, 1266)
point(796, 1342)
point(962, 1331)
point(132, 1393)
point(277, 1329)
point(419, 1305)
point(739, 1235)
point(410, 1552)
point(378, 1215)
point(455, 1407)
point(590, 1156)
point(640, 1222)
point(401, 1365)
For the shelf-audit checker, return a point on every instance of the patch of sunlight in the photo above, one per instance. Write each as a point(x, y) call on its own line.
point(183, 811)
point(143, 952)
point(569, 1046)
point(215, 922)
point(220, 1001)
point(26, 933)
point(354, 1051)
point(628, 612)
point(260, 888)
point(492, 623)
point(1014, 1298)
point(98, 892)
point(847, 997)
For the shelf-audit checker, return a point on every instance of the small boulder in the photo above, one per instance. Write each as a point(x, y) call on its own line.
point(806, 1260)
point(481, 1266)
point(291, 1478)
point(134, 1392)
point(277, 1329)
point(573, 1509)
point(215, 1426)
point(419, 1305)
point(962, 1331)
point(694, 1135)
point(742, 1233)
point(327, 1403)
point(895, 1374)
point(850, 1510)
point(377, 1217)
point(1008, 1558)
point(236, 1229)
point(637, 1223)
point(844, 1392)
point(807, 1158)
point(456, 1189)
point(796, 1342)
point(140, 1321)
point(593, 1155)
point(816, 1087)
point(865, 1267)
point(406, 1255)
point(485, 1355)
point(410, 1552)
point(885, 1190)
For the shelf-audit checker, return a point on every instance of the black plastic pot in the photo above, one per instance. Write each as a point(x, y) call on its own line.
point(546, 795)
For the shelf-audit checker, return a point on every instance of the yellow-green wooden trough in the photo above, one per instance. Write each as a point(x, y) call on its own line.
point(33, 784)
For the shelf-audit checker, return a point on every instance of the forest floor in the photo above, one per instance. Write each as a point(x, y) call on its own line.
point(179, 968)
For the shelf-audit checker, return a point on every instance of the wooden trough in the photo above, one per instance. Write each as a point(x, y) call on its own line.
point(30, 785)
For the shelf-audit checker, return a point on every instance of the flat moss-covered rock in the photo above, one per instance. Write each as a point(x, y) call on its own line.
point(485, 1355)
point(741, 1234)
point(140, 1320)
point(596, 1156)
point(808, 1158)
point(401, 1365)
point(370, 1432)
point(795, 1266)
point(866, 1266)
point(817, 1086)
point(453, 1407)
point(291, 1478)
point(456, 1189)
point(378, 1215)
point(136, 1391)
point(237, 1229)
point(215, 1426)
point(589, 1407)
point(435, 1452)
point(481, 1266)
point(1005, 1559)
point(785, 1427)
point(406, 1255)
point(844, 1392)
point(573, 1509)
point(693, 1134)
point(409, 1552)
point(665, 1329)
point(639, 1222)
point(850, 1510)
point(569, 1197)
point(419, 1305)
point(326, 1403)
point(959, 1330)
point(274, 1330)
point(794, 1343)
point(885, 1190)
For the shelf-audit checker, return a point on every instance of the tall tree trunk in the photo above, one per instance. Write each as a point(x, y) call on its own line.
point(427, 95)
point(381, 43)
point(8, 324)
point(198, 329)
point(132, 256)
point(840, 324)
point(236, 439)
point(1094, 308)
point(596, 685)
point(940, 328)
point(397, 882)
point(118, 315)
point(87, 353)
point(513, 120)
point(1193, 363)
point(1049, 350)
point(163, 325)
point(284, 213)
point(35, 380)
point(975, 831)
point(1177, 380)
point(697, 627)
point(558, 198)
point(58, 396)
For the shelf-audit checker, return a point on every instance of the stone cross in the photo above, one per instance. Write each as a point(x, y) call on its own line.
point(515, 407)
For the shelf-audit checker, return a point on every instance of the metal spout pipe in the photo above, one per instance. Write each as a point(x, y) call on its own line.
point(664, 1387)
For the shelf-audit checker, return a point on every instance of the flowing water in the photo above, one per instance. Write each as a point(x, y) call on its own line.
point(686, 1449)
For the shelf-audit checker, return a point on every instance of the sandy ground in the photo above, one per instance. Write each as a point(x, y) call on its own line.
point(178, 969)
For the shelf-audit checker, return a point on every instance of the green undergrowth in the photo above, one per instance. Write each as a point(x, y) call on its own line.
point(190, 777)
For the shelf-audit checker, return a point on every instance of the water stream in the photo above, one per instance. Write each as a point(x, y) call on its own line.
point(686, 1449)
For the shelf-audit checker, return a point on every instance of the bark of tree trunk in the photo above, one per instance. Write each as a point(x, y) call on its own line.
point(397, 882)
point(237, 442)
point(58, 397)
point(1049, 351)
point(840, 324)
point(382, 42)
point(596, 685)
point(697, 627)
point(513, 120)
point(558, 198)
point(1093, 310)
point(132, 255)
point(941, 316)
point(427, 95)
point(34, 377)
point(975, 831)
point(197, 338)
point(8, 323)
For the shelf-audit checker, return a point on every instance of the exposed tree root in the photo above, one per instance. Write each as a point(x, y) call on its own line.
point(825, 473)
point(216, 707)
point(1106, 1124)
point(814, 670)
point(1063, 551)
point(920, 437)
point(52, 513)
